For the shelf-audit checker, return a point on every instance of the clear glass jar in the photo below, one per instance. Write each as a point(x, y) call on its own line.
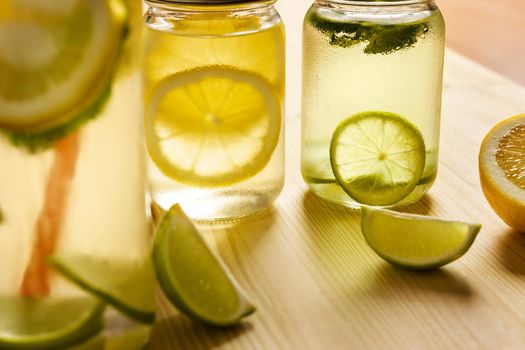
point(367, 64)
point(72, 157)
point(214, 80)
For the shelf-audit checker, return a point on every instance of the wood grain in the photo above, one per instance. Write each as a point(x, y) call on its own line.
point(318, 286)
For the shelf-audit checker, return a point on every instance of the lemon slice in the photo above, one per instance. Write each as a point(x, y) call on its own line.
point(128, 286)
point(212, 126)
point(55, 64)
point(192, 277)
point(377, 157)
point(414, 241)
point(502, 170)
point(48, 323)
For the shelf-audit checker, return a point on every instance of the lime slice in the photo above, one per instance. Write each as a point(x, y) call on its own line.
point(130, 338)
point(212, 126)
point(414, 241)
point(192, 277)
point(56, 64)
point(377, 157)
point(48, 323)
point(129, 286)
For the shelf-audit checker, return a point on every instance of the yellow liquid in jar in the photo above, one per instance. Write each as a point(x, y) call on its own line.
point(214, 68)
point(340, 81)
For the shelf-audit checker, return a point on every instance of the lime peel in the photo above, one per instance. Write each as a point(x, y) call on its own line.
point(377, 157)
point(128, 286)
point(43, 134)
point(48, 323)
point(416, 242)
point(193, 278)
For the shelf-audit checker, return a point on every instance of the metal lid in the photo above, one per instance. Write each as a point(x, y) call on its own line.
point(205, 2)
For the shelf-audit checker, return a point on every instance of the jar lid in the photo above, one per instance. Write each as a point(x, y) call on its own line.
point(207, 2)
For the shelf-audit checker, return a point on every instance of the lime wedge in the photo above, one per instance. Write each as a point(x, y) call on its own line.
point(192, 277)
point(212, 126)
point(48, 323)
point(414, 241)
point(127, 285)
point(377, 157)
point(54, 65)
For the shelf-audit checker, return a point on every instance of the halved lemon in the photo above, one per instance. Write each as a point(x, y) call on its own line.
point(377, 157)
point(56, 64)
point(502, 170)
point(212, 126)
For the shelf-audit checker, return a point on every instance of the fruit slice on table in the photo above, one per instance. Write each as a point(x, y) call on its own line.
point(48, 323)
point(192, 277)
point(502, 170)
point(212, 126)
point(54, 65)
point(414, 241)
point(377, 157)
point(128, 286)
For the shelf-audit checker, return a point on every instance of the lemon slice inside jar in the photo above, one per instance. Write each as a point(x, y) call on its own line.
point(212, 126)
point(56, 58)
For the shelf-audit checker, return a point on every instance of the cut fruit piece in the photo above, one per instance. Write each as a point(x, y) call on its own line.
point(53, 66)
point(414, 241)
point(212, 126)
point(192, 277)
point(129, 286)
point(48, 323)
point(502, 170)
point(377, 157)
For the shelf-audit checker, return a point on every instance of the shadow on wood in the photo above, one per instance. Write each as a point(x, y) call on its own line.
point(440, 281)
point(349, 262)
point(176, 328)
point(511, 250)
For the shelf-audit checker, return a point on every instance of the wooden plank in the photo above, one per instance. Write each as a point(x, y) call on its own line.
point(318, 286)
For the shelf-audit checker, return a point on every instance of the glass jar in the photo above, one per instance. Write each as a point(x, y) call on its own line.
point(72, 184)
point(372, 86)
point(214, 80)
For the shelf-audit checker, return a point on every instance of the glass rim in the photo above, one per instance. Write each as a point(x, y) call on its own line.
point(375, 3)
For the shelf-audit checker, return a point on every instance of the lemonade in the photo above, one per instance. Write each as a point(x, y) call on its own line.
point(365, 57)
point(214, 94)
point(71, 154)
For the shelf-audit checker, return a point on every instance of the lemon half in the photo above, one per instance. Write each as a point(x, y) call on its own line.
point(502, 170)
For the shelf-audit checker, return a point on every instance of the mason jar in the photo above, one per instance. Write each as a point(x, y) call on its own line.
point(73, 227)
point(371, 102)
point(214, 78)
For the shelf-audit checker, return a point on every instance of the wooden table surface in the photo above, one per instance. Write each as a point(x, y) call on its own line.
point(316, 283)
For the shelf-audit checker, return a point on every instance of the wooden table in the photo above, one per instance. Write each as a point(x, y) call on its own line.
point(318, 285)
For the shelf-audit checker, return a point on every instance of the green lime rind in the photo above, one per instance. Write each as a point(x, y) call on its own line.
point(134, 338)
point(128, 286)
point(371, 170)
point(40, 140)
point(192, 277)
point(48, 323)
point(416, 242)
point(377, 38)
